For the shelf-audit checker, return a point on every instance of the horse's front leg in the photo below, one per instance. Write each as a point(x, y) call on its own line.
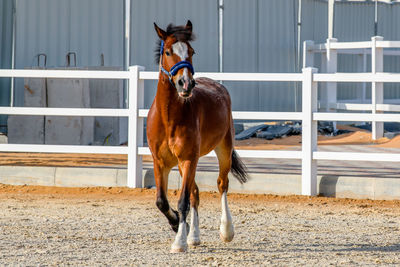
point(188, 168)
point(161, 179)
point(194, 234)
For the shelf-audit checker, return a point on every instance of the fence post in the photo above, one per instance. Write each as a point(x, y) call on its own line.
point(331, 67)
point(308, 54)
point(309, 133)
point(135, 127)
point(362, 67)
point(377, 88)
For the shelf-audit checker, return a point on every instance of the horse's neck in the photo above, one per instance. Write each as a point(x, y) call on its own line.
point(167, 99)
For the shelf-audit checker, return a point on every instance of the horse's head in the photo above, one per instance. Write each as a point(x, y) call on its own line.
point(175, 56)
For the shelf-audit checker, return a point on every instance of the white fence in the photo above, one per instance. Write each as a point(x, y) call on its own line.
point(377, 48)
point(136, 113)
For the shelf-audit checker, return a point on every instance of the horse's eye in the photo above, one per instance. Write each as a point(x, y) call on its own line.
point(167, 53)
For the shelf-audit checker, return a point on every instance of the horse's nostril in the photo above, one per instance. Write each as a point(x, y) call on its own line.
point(180, 82)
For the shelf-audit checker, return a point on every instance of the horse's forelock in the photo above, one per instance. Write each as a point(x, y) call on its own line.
point(181, 34)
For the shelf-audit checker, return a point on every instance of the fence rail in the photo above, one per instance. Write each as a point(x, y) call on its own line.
point(377, 48)
point(136, 114)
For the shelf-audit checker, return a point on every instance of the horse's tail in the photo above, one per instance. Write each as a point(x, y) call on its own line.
point(238, 168)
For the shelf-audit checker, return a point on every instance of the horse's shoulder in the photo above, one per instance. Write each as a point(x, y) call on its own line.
point(206, 82)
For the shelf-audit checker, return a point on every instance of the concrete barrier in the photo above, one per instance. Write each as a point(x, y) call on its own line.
point(29, 129)
point(260, 183)
point(68, 93)
point(108, 93)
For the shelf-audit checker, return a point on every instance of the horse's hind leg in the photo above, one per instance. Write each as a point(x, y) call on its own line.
point(194, 233)
point(161, 178)
point(224, 154)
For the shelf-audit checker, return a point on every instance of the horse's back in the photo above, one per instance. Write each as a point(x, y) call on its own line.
point(212, 89)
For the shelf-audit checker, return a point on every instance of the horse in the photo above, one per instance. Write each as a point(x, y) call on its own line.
point(188, 119)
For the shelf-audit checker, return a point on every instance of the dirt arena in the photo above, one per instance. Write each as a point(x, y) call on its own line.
point(49, 226)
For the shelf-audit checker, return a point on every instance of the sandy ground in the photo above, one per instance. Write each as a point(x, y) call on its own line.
point(49, 226)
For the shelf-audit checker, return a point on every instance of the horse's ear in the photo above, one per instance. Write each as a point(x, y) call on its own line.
point(160, 32)
point(189, 25)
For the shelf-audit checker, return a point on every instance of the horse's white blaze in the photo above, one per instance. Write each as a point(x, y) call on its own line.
point(180, 243)
point(226, 227)
point(181, 50)
point(194, 234)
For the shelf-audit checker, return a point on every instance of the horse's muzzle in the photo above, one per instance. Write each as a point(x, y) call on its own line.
point(185, 86)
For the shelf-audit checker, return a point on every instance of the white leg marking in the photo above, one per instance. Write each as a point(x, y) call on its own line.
point(194, 234)
point(226, 228)
point(180, 243)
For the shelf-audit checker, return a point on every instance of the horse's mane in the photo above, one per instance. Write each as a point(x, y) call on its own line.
point(181, 33)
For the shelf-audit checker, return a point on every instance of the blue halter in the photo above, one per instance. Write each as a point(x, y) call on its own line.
point(175, 68)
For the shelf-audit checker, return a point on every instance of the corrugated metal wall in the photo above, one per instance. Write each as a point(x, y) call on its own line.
point(355, 22)
point(389, 28)
point(259, 36)
point(204, 16)
point(55, 27)
point(314, 25)
point(5, 53)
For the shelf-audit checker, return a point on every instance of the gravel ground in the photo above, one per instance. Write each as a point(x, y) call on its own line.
point(119, 226)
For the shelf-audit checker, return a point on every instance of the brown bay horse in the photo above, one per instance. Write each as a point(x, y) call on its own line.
point(188, 119)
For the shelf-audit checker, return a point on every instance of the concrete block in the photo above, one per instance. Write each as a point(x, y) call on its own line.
point(26, 129)
point(106, 131)
point(87, 134)
point(63, 130)
point(84, 177)
point(327, 185)
point(106, 93)
point(387, 188)
point(353, 187)
point(175, 180)
point(35, 92)
point(29, 129)
point(17, 175)
point(3, 139)
point(258, 184)
point(122, 177)
point(69, 93)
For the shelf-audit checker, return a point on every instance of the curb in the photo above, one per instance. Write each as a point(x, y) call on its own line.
point(259, 183)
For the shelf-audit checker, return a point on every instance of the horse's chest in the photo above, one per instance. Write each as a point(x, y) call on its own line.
point(182, 143)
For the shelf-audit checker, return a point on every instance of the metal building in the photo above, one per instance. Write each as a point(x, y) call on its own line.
point(6, 26)
point(258, 36)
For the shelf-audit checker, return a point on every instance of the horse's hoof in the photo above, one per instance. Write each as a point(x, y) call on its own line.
point(193, 241)
point(174, 227)
point(226, 233)
point(178, 249)
point(226, 239)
